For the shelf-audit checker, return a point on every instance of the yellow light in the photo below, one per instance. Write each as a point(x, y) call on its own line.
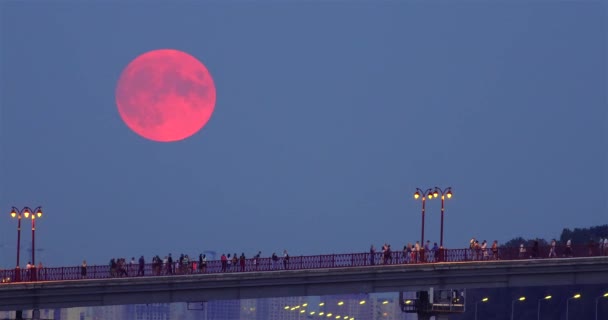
point(286, 307)
point(304, 304)
point(26, 214)
point(302, 311)
point(297, 307)
point(605, 295)
point(408, 301)
point(430, 196)
point(337, 317)
point(548, 297)
point(435, 194)
point(345, 317)
point(13, 213)
point(521, 298)
point(292, 309)
point(340, 303)
point(449, 194)
point(312, 312)
point(485, 299)
point(362, 302)
point(321, 304)
point(385, 302)
point(576, 296)
point(39, 213)
point(329, 315)
point(416, 195)
point(321, 313)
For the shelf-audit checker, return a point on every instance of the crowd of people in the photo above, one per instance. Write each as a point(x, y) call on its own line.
point(119, 267)
point(411, 253)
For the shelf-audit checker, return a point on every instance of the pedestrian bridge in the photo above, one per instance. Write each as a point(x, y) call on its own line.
point(303, 282)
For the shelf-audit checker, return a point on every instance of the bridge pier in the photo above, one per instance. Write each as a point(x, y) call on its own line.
point(36, 314)
point(19, 315)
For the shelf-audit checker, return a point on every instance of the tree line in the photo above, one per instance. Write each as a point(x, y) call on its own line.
point(577, 235)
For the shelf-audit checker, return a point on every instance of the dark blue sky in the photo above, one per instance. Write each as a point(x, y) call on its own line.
point(329, 114)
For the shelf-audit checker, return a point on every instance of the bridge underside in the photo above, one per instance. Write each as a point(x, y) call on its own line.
point(318, 282)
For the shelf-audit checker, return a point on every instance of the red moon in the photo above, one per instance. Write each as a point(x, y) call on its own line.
point(165, 95)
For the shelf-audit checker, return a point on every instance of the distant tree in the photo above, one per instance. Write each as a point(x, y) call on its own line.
point(578, 236)
point(515, 242)
point(583, 235)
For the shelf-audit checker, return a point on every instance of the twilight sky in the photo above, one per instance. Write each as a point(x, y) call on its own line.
point(329, 114)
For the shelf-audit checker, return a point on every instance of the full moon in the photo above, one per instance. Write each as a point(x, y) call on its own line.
point(165, 95)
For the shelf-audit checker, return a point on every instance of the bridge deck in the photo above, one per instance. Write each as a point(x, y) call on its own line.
point(307, 282)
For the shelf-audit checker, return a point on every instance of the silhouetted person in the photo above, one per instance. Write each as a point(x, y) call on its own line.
point(372, 255)
point(242, 262)
point(169, 264)
point(285, 259)
point(535, 249)
point(142, 264)
point(83, 269)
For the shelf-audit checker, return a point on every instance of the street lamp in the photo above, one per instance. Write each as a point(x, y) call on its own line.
point(16, 213)
point(26, 212)
point(597, 300)
point(419, 193)
point(482, 300)
point(33, 214)
point(513, 305)
point(548, 297)
point(447, 192)
point(576, 296)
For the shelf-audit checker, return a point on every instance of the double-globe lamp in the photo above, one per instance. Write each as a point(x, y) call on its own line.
point(430, 194)
point(27, 213)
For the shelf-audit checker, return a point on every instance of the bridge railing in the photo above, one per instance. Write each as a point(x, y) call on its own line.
point(300, 263)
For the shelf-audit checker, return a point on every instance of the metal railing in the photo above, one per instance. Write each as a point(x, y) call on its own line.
point(344, 260)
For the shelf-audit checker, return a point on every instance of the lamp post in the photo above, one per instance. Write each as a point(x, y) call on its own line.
point(447, 192)
point(33, 214)
point(16, 213)
point(482, 300)
point(597, 300)
point(513, 305)
point(548, 297)
point(419, 193)
point(576, 296)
